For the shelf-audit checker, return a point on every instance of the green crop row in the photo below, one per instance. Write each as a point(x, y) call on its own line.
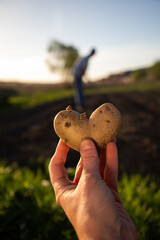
point(10, 100)
point(28, 209)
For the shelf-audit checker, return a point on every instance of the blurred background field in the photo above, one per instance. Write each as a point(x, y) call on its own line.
point(21, 96)
point(27, 207)
point(39, 42)
point(29, 211)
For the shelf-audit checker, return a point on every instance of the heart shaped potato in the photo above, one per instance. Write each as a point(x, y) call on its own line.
point(102, 126)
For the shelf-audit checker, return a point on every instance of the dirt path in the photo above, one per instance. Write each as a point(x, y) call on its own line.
point(28, 134)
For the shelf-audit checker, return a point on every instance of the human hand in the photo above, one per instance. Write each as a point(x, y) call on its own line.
point(91, 201)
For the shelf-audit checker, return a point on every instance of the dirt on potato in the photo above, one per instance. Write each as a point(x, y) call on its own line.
point(28, 134)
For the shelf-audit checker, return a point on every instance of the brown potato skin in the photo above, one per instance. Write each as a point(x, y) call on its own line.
point(101, 127)
point(105, 129)
point(71, 135)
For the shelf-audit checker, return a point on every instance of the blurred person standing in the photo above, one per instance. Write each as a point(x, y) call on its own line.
point(79, 70)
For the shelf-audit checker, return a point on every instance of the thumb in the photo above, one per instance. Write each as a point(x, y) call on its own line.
point(89, 156)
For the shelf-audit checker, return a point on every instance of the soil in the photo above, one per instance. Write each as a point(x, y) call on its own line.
point(26, 135)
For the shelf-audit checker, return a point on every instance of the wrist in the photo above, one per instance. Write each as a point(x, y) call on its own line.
point(100, 234)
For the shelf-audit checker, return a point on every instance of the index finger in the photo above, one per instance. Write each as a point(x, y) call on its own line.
point(56, 166)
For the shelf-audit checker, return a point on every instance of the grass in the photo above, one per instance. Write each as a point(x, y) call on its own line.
point(26, 99)
point(124, 88)
point(28, 209)
point(140, 197)
point(39, 97)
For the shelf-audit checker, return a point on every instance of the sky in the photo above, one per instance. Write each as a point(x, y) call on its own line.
point(125, 33)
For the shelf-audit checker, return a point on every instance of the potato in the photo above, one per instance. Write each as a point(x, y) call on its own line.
point(102, 126)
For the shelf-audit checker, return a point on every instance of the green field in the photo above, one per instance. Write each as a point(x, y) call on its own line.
point(23, 99)
point(28, 209)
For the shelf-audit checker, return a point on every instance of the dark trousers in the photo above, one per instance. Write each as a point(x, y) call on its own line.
point(78, 85)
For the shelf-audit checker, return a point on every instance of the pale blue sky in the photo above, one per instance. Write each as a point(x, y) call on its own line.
point(125, 33)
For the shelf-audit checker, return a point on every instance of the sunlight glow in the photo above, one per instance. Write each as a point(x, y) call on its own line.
point(106, 61)
point(119, 59)
point(30, 69)
point(123, 41)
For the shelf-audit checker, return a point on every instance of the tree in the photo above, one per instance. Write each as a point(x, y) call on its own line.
point(139, 75)
point(154, 71)
point(61, 58)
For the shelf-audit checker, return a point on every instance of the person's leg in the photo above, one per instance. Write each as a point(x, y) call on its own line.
point(76, 102)
point(79, 99)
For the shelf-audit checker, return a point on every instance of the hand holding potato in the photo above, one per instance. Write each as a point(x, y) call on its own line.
point(91, 201)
